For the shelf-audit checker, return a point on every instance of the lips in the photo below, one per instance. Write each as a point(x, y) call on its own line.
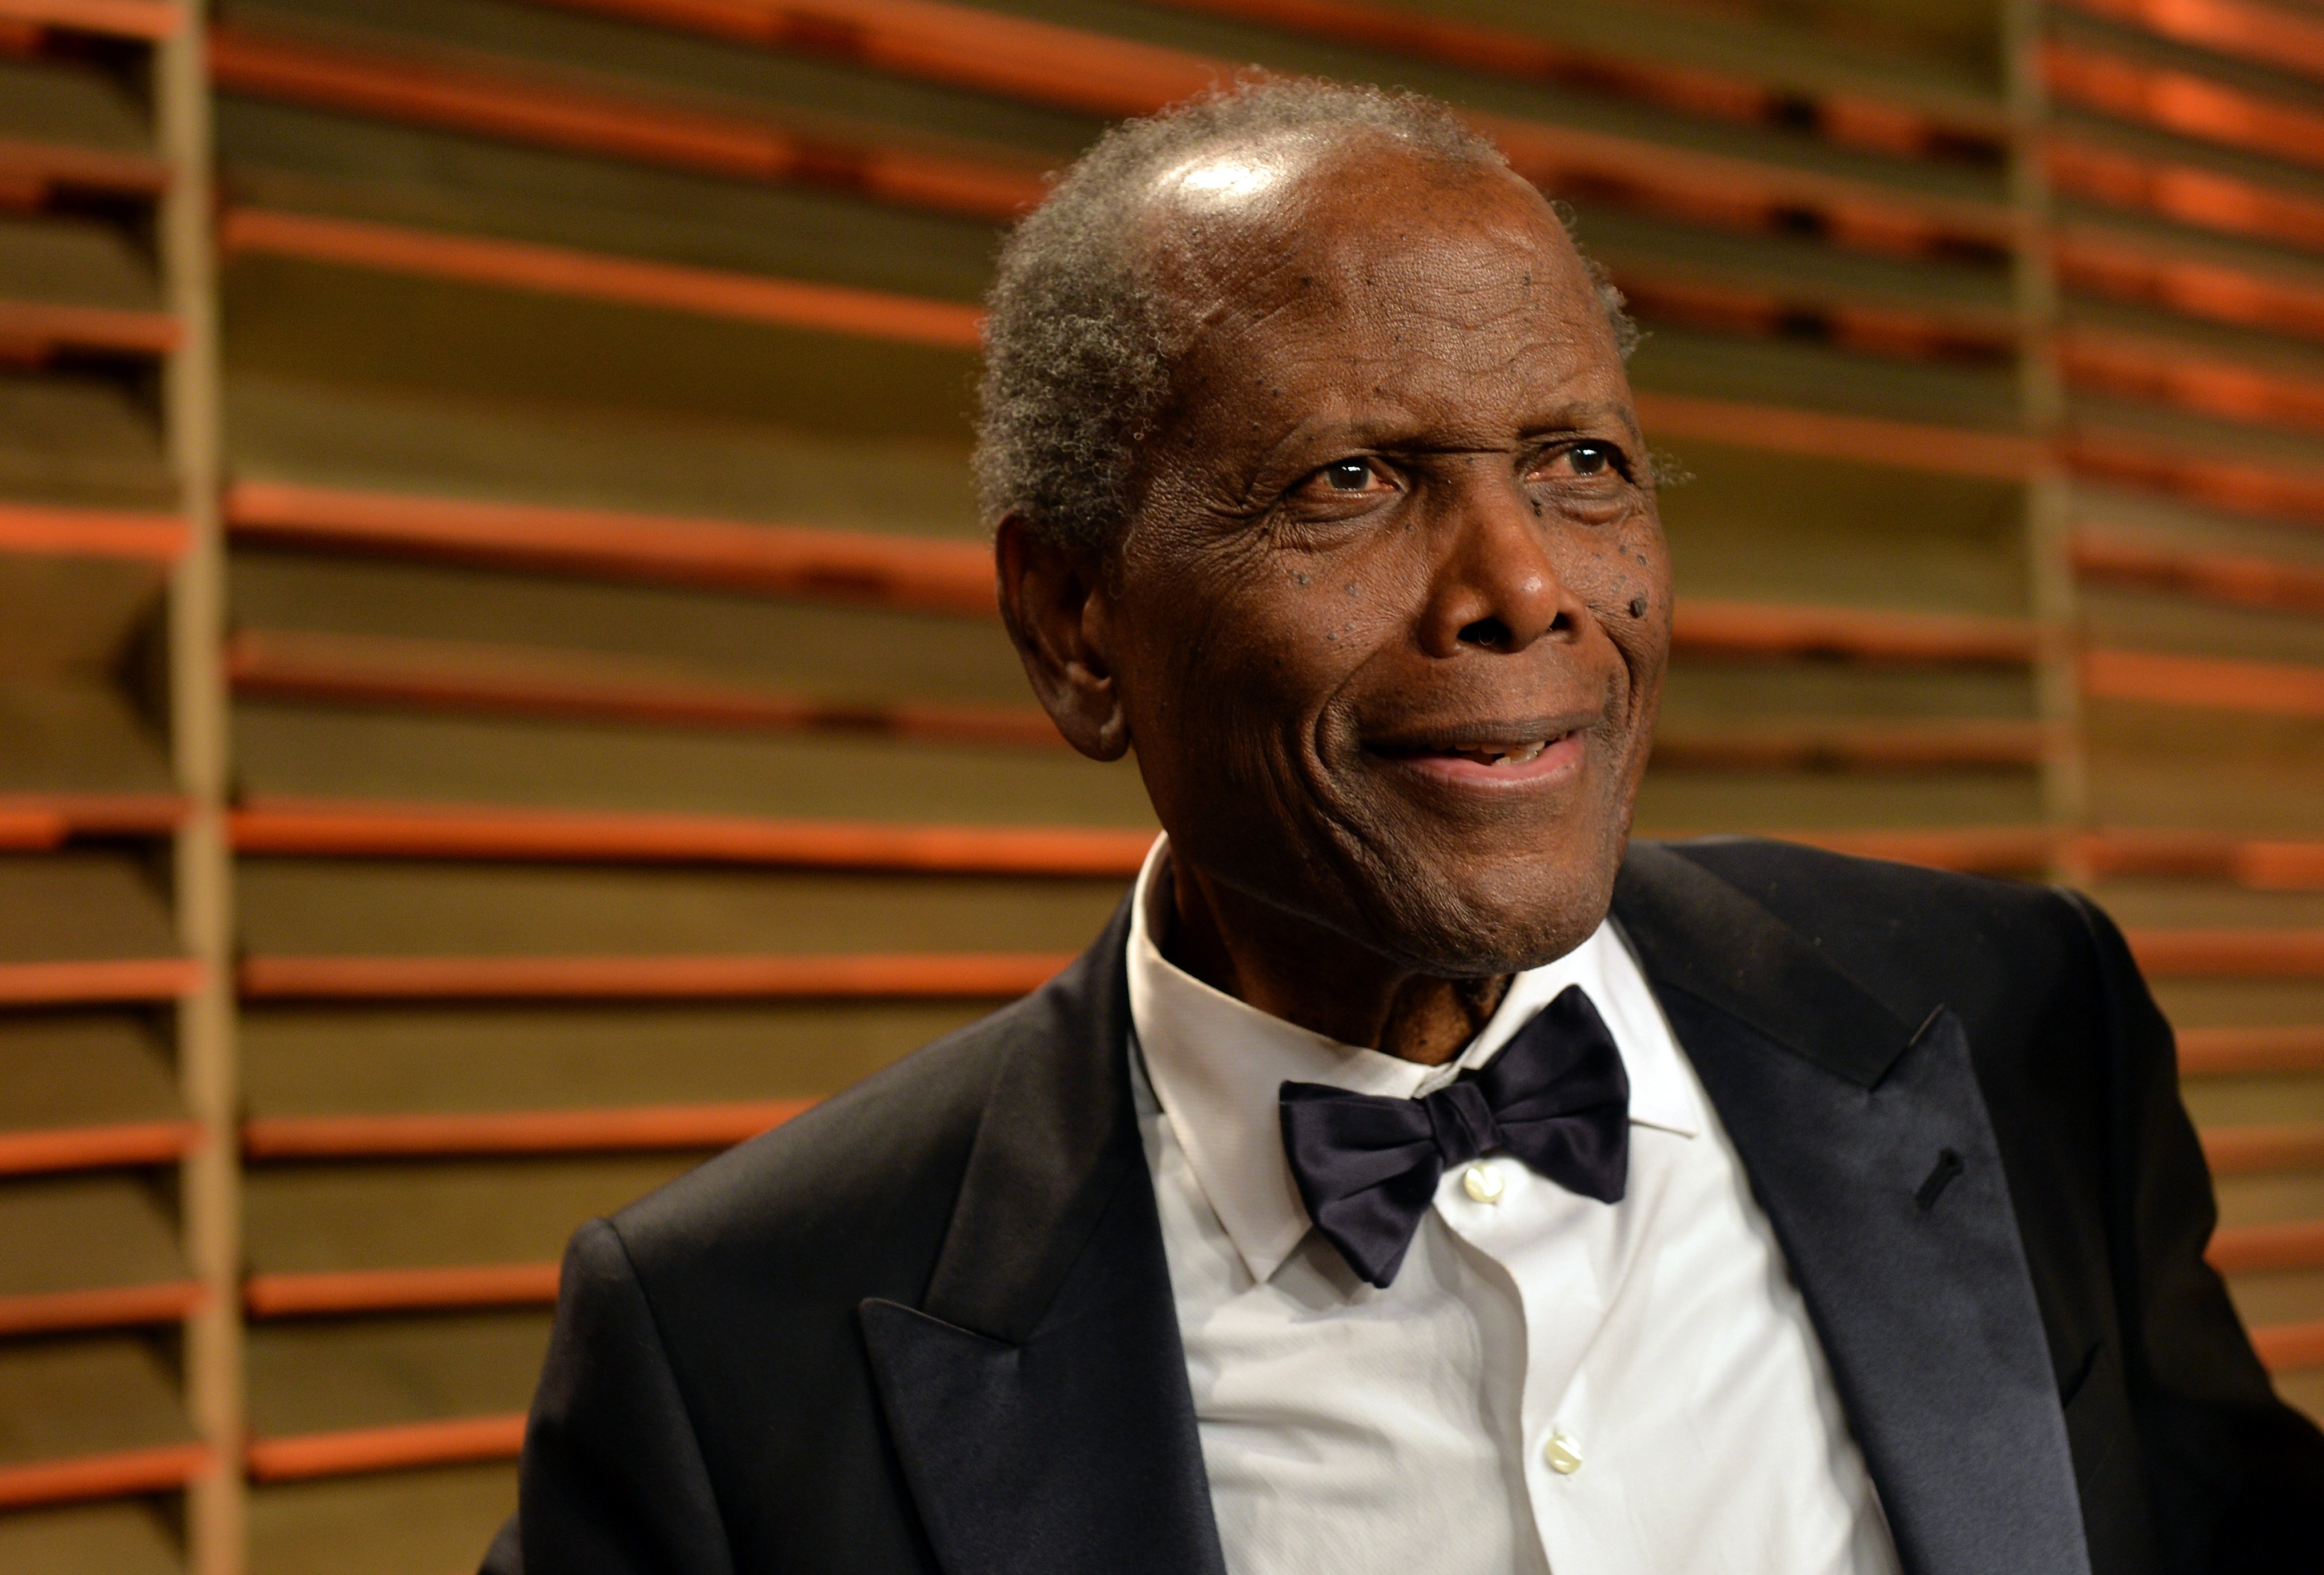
point(1489, 756)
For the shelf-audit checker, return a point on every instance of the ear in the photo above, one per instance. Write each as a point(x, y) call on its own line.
point(1060, 616)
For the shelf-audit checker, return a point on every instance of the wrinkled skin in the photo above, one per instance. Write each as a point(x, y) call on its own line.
point(1396, 508)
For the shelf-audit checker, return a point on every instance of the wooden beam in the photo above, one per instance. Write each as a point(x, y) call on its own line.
point(2204, 683)
point(502, 100)
point(94, 979)
point(2234, 1052)
point(67, 531)
point(998, 975)
point(1706, 627)
point(117, 1474)
point(2289, 1347)
point(2183, 193)
point(99, 1307)
point(151, 21)
point(2182, 103)
point(439, 1135)
point(2273, 36)
point(39, 168)
point(1960, 133)
point(356, 1450)
point(2233, 579)
point(400, 1290)
point(38, 330)
point(36, 1151)
point(1912, 446)
point(2297, 1244)
point(434, 675)
point(1941, 744)
point(329, 828)
point(917, 573)
point(2230, 953)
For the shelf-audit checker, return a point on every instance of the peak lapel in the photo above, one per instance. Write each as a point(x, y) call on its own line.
point(1910, 1262)
point(1037, 1398)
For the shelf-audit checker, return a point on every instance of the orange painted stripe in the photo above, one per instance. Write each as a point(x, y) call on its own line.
point(1845, 120)
point(385, 1449)
point(2295, 496)
point(2120, 266)
point(119, 1474)
point(2294, 1146)
point(44, 820)
point(519, 681)
point(1756, 628)
point(91, 532)
point(2231, 578)
point(2289, 1347)
point(501, 102)
point(2160, 372)
point(101, 1307)
point(375, 830)
point(2224, 1052)
point(2182, 103)
point(2203, 683)
point(481, 1132)
point(930, 575)
point(928, 975)
point(1829, 434)
point(2261, 1248)
point(34, 1150)
point(495, 1285)
point(2271, 35)
point(1660, 295)
point(59, 164)
point(51, 326)
point(2185, 194)
point(523, 265)
point(151, 20)
point(99, 979)
point(2230, 953)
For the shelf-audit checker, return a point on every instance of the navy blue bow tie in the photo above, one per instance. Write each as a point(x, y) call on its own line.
point(1556, 1097)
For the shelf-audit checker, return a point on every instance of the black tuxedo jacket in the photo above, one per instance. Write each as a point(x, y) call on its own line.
point(927, 1325)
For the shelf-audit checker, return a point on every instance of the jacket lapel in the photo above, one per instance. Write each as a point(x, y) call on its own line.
point(1844, 1113)
point(1037, 1397)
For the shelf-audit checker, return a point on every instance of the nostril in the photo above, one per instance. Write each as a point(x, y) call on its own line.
point(1490, 633)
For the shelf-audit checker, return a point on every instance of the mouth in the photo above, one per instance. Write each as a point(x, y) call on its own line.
point(1494, 757)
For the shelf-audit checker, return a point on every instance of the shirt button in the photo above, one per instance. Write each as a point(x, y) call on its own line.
point(1483, 1183)
point(1563, 1453)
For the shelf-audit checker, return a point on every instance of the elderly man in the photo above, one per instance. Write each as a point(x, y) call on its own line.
point(1411, 1178)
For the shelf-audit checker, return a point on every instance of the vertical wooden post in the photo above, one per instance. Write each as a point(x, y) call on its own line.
point(207, 1069)
point(2049, 500)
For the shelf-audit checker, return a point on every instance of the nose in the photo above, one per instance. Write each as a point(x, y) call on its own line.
point(1496, 586)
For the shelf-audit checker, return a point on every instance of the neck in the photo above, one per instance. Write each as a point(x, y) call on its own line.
point(1291, 967)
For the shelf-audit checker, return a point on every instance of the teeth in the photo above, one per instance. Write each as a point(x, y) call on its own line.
point(1504, 754)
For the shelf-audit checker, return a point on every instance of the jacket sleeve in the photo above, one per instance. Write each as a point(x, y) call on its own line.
point(2236, 1476)
point(613, 1480)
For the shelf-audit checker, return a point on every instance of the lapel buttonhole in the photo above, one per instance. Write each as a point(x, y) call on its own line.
point(1949, 1166)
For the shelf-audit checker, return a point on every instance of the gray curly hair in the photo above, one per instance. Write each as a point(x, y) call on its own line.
point(1078, 344)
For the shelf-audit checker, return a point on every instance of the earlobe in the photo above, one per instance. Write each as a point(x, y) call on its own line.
point(1055, 605)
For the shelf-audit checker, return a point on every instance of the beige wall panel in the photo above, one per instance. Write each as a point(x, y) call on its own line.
point(2288, 1296)
point(1675, 803)
point(82, 904)
point(74, 260)
point(397, 1522)
point(321, 1374)
point(74, 1233)
point(2176, 766)
point(84, 1068)
point(1700, 694)
point(1683, 361)
point(2152, 621)
point(83, 737)
point(77, 102)
point(2193, 903)
point(131, 1538)
point(2240, 1003)
point(85, 1394)
point(81, 437)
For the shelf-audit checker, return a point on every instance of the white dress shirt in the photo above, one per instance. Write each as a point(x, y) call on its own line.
point(1551, 1383)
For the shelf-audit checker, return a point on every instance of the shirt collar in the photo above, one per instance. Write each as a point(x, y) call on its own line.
point(1217, 1065)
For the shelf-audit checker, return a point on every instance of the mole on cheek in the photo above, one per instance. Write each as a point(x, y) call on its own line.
point(1638, 606)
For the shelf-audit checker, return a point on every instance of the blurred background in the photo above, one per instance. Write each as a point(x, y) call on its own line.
point(499, 696)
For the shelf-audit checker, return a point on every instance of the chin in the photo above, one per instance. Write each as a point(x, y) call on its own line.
point(1465, 915)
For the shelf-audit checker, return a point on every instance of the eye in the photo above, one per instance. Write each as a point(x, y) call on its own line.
point(1347, 475)
point(1586, 457)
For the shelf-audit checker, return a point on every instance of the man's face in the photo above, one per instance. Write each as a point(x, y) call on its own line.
point(1390, 621)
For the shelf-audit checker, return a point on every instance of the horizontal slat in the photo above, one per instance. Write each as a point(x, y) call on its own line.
point(518, 681)
point(2297, 1244)
point(386, 1448)
point(1705, 627)
point(2182, 103)
point(2119, 266)
point(1069, 68)
point(2209, 1051)
point(2231, 578)
point(48, 327)
point(2275, 36)
point(48, 819)
point(771, 977)
point(503, 102)
point(90, 532)
point(527, 266)
point(2186, 194)
point(104, 979)
point(2271, 492)
point(2289, 1348)
point(2203, 683)
point(2158, 372)
point(117, 1474)
point(2293, 1146)
point(1830, 435)
point(37, 1150)
point(1848, 120)
point(45, 165)
point(1857, 746)
point(103, 1307)
point(500, 1132)
point(897, 571)
point(1877, 327)
point(2230, 953)
point(151, 19)
point(503, 1284)
point(317, 827)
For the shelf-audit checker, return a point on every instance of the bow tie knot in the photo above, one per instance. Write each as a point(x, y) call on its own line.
point(1557, 1098)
